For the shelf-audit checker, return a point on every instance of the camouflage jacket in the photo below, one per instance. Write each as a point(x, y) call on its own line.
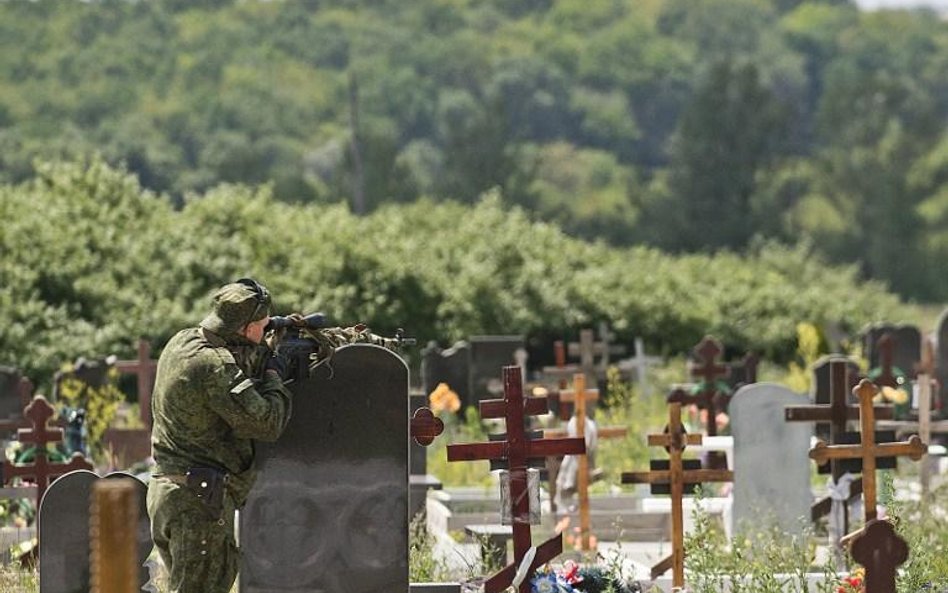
point(208, 407)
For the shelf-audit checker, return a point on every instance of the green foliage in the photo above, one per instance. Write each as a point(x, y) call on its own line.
point(693, 126)
point(92, 261)
point(759, 561)
point(423, 564)
point(100, 402)
point(924, 526)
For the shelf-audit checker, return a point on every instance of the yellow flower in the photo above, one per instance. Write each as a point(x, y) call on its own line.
point(444, 399)
point(896, 396)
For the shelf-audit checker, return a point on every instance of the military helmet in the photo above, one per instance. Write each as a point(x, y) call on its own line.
point(237, 304)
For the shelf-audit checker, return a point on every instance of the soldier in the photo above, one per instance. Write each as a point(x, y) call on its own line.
point(218, 387)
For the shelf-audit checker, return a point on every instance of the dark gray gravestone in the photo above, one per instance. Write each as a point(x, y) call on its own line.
point(451, 366)
point(329, 511)
point(64, 532)
point(771, 468)
point(821, 383)
point(11, 395)
point(941, 360)
point(906, 346)
point(489, 355)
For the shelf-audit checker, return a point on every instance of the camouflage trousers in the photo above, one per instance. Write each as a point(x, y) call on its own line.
point(199, 551)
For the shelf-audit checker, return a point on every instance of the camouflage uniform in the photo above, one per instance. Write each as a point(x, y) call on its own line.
point(208, 406)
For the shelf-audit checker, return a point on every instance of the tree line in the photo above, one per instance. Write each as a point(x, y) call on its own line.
point(688, 126)
point(92, 261)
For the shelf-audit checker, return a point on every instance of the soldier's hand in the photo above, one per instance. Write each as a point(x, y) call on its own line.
point(277, 364)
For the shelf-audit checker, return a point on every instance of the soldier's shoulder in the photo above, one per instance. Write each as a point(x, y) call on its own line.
point(192, 348)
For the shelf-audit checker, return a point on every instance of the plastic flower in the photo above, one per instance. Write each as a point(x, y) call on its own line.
point(853, 583)
point(896, 396)
point(549, 583)
point(444, 399)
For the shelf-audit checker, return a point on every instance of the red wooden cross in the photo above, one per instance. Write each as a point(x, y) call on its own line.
point(144, 368)
point(881, 551)
point(710, 370)
point(425, 426)
point(39, 412)
point(708, 397)
point(868, 449)
point(674, 439)
point(517, 450)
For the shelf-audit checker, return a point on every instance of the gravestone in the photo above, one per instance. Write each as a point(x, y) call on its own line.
point(64, 532)
point(771, 470)
point(451, 366)
point(906, 342)
point(488, 355)
point(15, 394)
point(329, 511)
point(941, 362)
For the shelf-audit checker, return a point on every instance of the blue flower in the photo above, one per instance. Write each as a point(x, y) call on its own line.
point(548, 583)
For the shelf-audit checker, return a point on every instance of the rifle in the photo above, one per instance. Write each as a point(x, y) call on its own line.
point(309, 341)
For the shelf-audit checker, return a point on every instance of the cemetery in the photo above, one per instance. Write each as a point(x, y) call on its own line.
point(711, 479)
point(473, 296)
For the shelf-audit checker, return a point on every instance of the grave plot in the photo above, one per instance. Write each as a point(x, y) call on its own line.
point(515, 449)
point(329, 511)
point(876, 545)
point(676, 477)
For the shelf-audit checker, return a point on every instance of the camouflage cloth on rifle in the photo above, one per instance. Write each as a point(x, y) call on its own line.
point(330, 338)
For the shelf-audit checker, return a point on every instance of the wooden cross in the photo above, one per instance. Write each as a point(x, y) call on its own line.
point(568, 397)
point(868, 449)
point(587, 349)
point(582, 480)
point(708, 368)
point(639, 364)
point(561, 372)
point(518, 449)
point(925, 370)
point(675, 439)
point(144, 368)
point(42, 470)
point(880, 550)
point(425, 426)
point(836, 414)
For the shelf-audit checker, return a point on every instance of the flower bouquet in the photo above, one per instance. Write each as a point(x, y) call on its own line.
point(572, 578)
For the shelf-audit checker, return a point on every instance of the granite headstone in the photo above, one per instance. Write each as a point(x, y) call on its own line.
point(12, 397)
point(451, 366)
point(64, 532)
point(941, 362)
point(906, 346)
point(771, 467)
point(490, 354)
point(329, 511)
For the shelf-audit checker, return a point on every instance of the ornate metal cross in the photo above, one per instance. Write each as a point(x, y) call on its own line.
point(675, 439)
point(517, 450)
